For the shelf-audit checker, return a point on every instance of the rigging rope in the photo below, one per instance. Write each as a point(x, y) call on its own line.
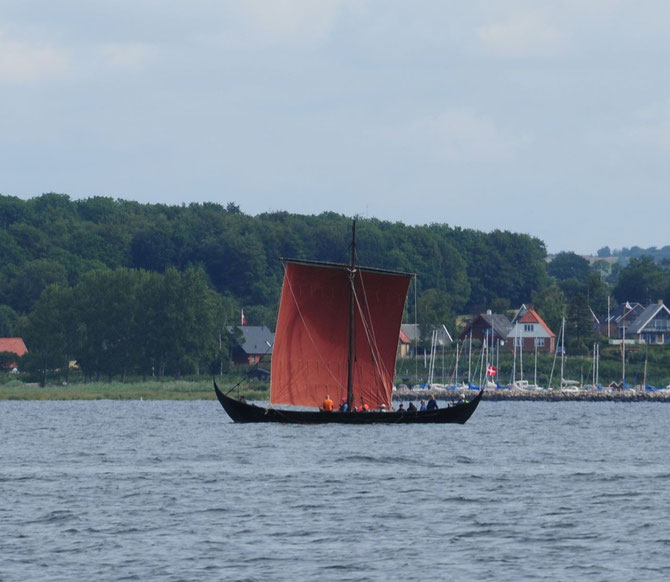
point(375, 356)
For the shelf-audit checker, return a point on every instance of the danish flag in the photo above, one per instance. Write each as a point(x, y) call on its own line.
point(243, 319)
point(491, 371)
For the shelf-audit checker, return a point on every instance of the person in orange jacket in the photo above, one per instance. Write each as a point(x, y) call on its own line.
point(328, 404)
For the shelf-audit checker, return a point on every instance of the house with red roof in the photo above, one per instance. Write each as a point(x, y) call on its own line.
point(13, 345)
point(529, 331)
point(404, 345)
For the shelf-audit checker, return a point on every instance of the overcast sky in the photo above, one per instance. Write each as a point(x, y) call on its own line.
point(549, 118)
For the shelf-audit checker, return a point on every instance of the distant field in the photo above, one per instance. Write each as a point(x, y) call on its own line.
point(169, 390)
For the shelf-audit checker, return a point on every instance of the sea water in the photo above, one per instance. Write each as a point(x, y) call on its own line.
point(175, 491)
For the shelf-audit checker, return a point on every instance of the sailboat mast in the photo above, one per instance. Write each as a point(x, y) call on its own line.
point(521, 357)
point(595, 349)
point(516, 339)
point(562, 349)
point(352, 313)
point(470, 358)
point(623, 356)
point(456, 367)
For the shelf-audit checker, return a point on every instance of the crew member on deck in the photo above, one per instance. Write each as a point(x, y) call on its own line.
point(328, 404)
point(432, 403)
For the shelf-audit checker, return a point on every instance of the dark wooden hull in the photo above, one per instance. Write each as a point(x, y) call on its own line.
point(243, 412)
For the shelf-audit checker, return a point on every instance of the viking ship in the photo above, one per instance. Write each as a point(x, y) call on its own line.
point(337, 335)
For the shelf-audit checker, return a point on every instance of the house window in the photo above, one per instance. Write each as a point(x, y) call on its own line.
point(539, 342)
point(528, 327)
point(518, 341)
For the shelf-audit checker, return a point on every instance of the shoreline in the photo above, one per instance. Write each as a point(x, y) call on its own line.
point(151, 390)
point(181, 391)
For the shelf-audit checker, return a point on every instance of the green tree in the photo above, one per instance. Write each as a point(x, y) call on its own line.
point(235, 264)
point(110, 321)
point(8, 320)
point(7, 360)
point(568, 265)
point(152, 250)
point(184, 317)
point(32, 241)
point(10, 251)
point(572, 287)
point(598, 292)
point(642, 280)
point(45, 332)
point(551, 305)
point(500, 305)
point(12, 210)
point(99, 209)
point(602, 268)
point(31, 279)
point(579, 325)
point(434, 310)
point(500, 264)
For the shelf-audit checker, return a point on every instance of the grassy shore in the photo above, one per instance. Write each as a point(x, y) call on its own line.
point(152, 390)
point(203, 390)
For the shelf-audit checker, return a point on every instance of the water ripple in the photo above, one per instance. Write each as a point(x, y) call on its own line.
point(173, 491)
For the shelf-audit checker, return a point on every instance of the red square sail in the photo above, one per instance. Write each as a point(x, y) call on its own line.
point(310, 354)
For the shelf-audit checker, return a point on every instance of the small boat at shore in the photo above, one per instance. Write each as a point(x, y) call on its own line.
point(337, 336)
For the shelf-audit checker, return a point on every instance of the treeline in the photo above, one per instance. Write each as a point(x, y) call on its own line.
point(126, 287)
point(115, 322)
point(659, 255)
point(51, 239)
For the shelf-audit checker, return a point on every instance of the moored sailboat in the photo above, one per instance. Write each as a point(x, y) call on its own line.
point(337, 335)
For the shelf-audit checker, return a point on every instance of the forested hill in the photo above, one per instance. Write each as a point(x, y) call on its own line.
point(659, 255)
point(53, 239)
point(150, 289)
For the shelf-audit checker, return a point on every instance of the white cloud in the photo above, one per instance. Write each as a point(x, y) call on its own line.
point(521, 35)
point(651, 127)
point(293, 20)
point(648, 129)
point(22, 62)
point(127, 56)
point(462, 136)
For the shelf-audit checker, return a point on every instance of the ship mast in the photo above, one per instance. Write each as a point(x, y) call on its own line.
point(352, 313)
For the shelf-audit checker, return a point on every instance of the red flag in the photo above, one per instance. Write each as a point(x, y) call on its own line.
point(243, 320)
point(491, 371)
